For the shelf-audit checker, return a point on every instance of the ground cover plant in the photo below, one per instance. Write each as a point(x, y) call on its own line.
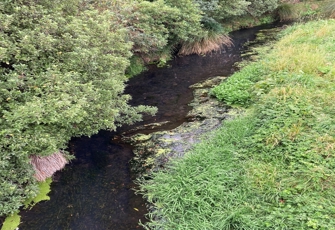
point(273, 166)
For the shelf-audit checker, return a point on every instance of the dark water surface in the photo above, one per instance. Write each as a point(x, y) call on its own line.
point(95, 191)
point(168, 88)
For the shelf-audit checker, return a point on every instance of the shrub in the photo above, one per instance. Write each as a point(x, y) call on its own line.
point(62, 75)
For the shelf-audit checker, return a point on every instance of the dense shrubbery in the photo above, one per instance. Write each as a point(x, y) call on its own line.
point(225, 9)
point(62, 75)
point(153, 26)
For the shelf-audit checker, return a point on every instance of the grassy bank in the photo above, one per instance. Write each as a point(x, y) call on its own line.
point(273, 167)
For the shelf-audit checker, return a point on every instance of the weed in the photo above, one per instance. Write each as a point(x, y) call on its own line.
point(11, 222)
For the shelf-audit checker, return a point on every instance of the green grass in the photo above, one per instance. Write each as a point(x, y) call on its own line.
point(191, 193)
point(272, 168)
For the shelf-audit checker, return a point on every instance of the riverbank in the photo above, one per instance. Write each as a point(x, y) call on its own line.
point(271, 168)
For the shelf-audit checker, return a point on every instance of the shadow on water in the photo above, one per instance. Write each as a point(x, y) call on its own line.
point(95, 191)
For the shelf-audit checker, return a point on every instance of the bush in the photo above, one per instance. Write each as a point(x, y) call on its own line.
point(62, 75)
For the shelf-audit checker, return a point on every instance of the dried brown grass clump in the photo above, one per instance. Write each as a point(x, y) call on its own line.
point(291, 1)
point(205, 45)
point(46, 166)
point(329, 9)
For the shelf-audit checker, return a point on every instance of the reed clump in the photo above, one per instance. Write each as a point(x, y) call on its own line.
point(211, 43)
point(286, 12)
point(329, 9)
point(46, 166)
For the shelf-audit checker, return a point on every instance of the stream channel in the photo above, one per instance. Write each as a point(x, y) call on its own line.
point(96, 190)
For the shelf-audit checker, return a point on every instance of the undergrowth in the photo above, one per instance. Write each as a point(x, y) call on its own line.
point(273, 167)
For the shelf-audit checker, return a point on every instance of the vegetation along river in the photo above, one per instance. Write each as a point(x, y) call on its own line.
point(96, 190)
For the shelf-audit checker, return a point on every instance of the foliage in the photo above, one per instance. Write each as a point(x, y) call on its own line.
point(62, 75)
point(259, 7)
point(43, 190)
point(225, 9)
point(238, 89)
point(11, 222)
point(135, 67)
point(156, 27)
point(272, 167)
point(222, 9)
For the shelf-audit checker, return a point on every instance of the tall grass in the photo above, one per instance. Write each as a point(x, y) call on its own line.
point(211, 43)
point(273, 167)
point(329, 9)
point(286, 12)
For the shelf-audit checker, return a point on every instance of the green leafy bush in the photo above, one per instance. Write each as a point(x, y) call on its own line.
point(62, 75)
point(156, 27)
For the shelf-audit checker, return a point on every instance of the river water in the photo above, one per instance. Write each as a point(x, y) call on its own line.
point(95, 191)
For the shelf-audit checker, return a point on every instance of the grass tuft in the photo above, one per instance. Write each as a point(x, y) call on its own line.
point(329, 9)
point(286, 12)
point(213, 42)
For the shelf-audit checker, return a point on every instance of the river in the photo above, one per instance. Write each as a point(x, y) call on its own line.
point(96, 190)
